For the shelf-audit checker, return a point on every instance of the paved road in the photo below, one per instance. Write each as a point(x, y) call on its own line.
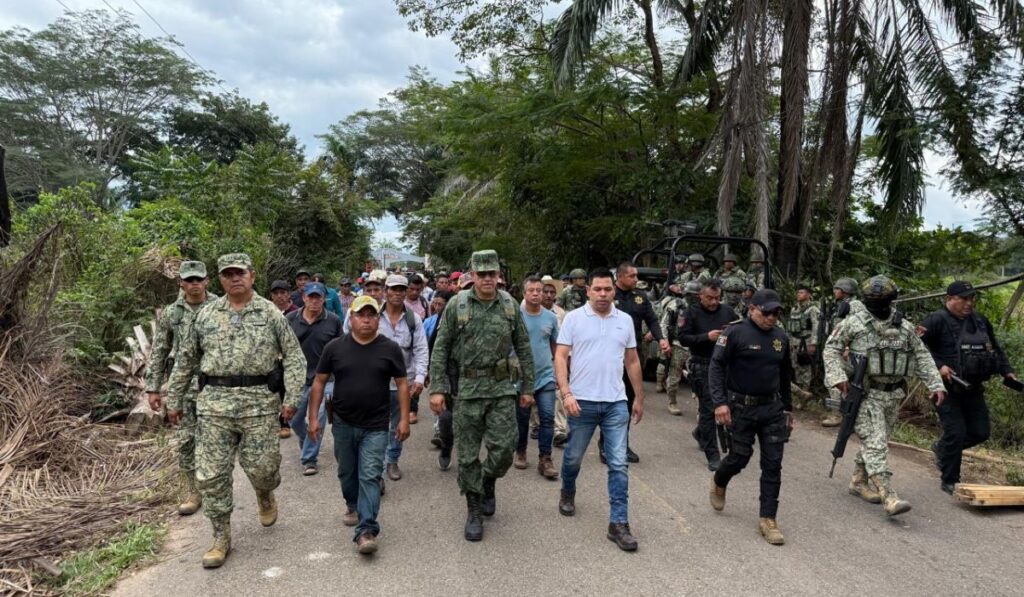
point(836, 544)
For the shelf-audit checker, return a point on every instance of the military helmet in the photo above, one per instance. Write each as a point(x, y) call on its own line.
point(730, 257)
point(691, 287)
point(579, 272)
point(880, 287)
point(733, 284)
point(695, 258)
point(847, 285)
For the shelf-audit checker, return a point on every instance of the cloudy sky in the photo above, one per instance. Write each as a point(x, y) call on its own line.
point(316, 61)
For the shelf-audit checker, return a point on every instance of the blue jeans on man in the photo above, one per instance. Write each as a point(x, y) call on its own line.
point(545, 399)
point(394, 446)
point(613, 419)
point(310, 449)
point(360, 456)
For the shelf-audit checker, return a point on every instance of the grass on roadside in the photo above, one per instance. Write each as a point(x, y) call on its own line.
point(93, 570)
point(907, 433)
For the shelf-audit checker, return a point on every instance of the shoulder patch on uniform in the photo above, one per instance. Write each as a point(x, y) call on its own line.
point(777, 345)
point(722, 340)
point(638, 299)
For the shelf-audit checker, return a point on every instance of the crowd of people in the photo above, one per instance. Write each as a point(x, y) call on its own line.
point(244, 373)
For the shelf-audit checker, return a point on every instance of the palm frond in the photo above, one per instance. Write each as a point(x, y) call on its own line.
point(716, 20)
point(795, 43)
point(1010, 14)
point(670, 8)
point(574, 34)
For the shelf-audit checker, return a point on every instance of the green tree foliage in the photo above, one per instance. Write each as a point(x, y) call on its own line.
point(78, 96)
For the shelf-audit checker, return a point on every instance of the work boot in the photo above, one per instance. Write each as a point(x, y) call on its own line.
point(444, 459)
point(673, 408)
point(832, 419)
point(567, 503)
point(890, 501)
point(770, 531)
point(546, 468)
point(519, 460)
point(284, 433)
point(717, 495)
point(619, 533)
point(474, 530)
point(366, 544)
point(560, 440)
point(267, 506)
point(489, 503)
point(631, 456)
point(350, 518)
point(861, 487)
point(194, 501)
point(218, 552)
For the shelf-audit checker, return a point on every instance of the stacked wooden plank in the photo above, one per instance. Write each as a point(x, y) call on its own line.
point(989, 495)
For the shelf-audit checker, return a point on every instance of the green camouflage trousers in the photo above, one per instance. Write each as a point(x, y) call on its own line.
point(491, 421)
point(186, 435)
point(218, 439)
point(874, 426)
point(674, 372)
point(802, 373)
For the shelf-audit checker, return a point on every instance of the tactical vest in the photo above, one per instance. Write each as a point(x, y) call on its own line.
point(978, 359)
point(892, 354)
point(800, 324)
point(508, 366)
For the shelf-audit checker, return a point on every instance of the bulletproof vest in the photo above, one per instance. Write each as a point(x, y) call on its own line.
point(978, 359)
point(892, 354)
point(799, 324)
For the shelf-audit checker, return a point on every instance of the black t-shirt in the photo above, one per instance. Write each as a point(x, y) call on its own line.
point(749, 360)
point(362, 378)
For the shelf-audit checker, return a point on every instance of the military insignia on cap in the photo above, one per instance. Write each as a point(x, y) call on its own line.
point(638, 300)
point(777, 345)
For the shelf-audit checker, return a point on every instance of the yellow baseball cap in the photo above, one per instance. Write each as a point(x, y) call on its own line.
point(362, 302)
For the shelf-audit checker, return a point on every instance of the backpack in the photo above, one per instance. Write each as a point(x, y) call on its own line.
point(410, 322)
point(508, 305)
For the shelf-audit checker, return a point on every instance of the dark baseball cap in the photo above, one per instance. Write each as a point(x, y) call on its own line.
point(314, 288)
point(302, 271)
point(346, 281)
point(766, 300)
point(280, 285)
point(961, 288)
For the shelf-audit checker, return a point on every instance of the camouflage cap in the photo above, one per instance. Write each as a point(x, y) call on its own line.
point(377, 276)
point(730, 257)
point(879, 287)
point(691, 287)
point(847, 285)
point(485, 261)
point(579, 272)
point(734, 284)
point(192, 269)
point(234, 260)
point(695, 258)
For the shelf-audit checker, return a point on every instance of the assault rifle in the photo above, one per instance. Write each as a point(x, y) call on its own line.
point(850, 408)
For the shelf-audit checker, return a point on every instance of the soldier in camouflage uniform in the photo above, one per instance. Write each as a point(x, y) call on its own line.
point(233, 346)
point(479, 330)
point(845, 292)
point(697, 271)
point(671, 309)
point(893, 352)
point(802, 327)
point(732, 293)
point(755, 276)
point(171, 327)
point(574, 295)
point(729, 269)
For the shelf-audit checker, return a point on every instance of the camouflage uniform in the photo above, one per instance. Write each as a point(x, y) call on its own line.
point(894, 353)
point(479, 346)
point(243, 420)
point(839, 313)
point(672, 308)
point(572, 297)
point(700, 276)
point(756, 277)
point(732, 292)
point(173, 325)
point(735, 272)
point(802, 327)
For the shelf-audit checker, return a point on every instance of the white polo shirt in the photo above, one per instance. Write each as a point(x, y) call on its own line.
point(598, 352)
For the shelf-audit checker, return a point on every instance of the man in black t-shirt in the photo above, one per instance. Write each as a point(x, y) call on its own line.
point(363, 364)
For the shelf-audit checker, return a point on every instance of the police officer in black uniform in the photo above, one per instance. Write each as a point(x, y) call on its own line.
point(639, 307)
point(749, 380)
point(963, 345)
point(702, 325)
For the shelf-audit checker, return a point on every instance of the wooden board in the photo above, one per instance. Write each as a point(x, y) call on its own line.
point(989, 495)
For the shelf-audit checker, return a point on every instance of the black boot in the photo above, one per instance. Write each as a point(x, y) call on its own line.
point(489, 503)
point(474, 524)
point(619, 533)
point(567, 503)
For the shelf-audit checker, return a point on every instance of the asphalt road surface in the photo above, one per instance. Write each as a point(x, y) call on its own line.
point(836, 544)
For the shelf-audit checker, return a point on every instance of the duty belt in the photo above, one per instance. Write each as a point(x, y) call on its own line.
point(752, 399)
point(888, 387)
point(234, 381)
point(499, 371)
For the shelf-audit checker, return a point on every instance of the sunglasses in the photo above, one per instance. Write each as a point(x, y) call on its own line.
point(486, 274)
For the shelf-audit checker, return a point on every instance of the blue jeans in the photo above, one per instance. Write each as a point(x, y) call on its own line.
point(394, 446)
point(360, 456)
point(545, 398)
point(310, 449)
point(613, 419)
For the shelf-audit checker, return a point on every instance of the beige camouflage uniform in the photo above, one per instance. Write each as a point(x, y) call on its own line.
point(672, 308)
point(802, 327)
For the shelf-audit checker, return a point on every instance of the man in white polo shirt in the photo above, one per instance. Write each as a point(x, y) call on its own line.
point(601, 338)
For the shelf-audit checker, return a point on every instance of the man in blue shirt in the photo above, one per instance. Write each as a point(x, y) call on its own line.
point(542, 327)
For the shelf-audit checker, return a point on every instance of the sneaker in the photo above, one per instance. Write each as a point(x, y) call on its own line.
point(436, 440)
point(444, 461)
point(560, 440)
point(366, 543)
point(674, 409)
point(520, 460)
point(394, 473)
point(619, 533)
point(350, 518)
point(832, 420)
point(310, 469)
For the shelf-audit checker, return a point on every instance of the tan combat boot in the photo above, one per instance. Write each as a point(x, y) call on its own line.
point(890, 501)
point(832, 419)
point(673, 406)
point(215, 556)
point(660, 386)
point(267, 506)
point(717, 496)
point(194, 501)
point(862, 487)
point(770, 531)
